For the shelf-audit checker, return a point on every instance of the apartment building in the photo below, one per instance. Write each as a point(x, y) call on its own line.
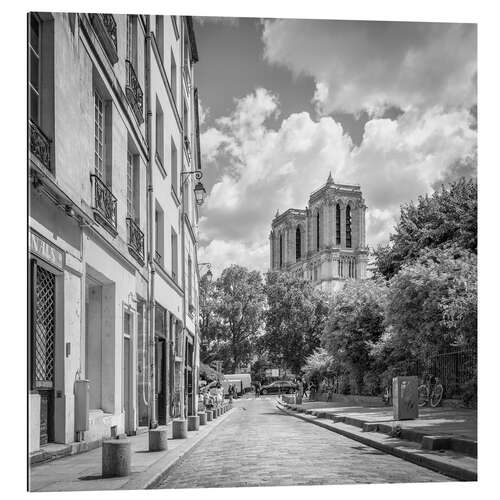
point(113, 164)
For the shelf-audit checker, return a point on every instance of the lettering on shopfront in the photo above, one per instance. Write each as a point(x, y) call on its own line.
point(45, 250)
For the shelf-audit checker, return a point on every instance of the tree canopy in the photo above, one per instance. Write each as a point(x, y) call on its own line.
point(448, 216)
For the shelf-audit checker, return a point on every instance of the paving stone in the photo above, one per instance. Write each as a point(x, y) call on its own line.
point(263, 446)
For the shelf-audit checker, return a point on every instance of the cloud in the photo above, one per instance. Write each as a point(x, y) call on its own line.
point(228, 21)
point(361, 65)
point(397, 160)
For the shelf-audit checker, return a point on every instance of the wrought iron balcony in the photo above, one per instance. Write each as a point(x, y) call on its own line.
point(103, 204)
point(105, 28)
point(158, 257)
point(134, 92)
point(40, 145)
point(135, 239)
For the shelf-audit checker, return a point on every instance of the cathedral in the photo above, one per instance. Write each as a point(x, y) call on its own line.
point(325, 242)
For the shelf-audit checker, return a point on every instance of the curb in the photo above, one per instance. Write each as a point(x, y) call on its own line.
point(416, 456)
point(157, 471)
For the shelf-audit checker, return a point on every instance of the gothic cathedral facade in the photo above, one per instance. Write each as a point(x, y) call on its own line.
point(325, 242)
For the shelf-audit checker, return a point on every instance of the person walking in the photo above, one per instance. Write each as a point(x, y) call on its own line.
point(257, 389)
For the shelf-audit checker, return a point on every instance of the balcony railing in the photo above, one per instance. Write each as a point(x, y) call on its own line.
point(40, 145)
point(103, 204)
point(158, 257)
point(134, 91)
point(105, 27)
point(135, 239)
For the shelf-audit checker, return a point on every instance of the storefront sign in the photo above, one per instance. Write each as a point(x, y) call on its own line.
point(46, 251)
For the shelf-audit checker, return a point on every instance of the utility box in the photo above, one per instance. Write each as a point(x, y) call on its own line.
point(405, 398)
point(82, 388)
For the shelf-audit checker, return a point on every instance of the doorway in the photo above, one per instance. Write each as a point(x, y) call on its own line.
point(127, 372)
point(43, 344)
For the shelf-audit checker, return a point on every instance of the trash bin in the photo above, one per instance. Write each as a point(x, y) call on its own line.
point(405, 398)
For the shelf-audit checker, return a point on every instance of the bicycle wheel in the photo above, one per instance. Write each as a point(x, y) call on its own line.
point(436, 396)
point(423, 395)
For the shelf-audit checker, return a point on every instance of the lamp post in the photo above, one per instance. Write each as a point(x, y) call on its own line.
point(199, 190)
point(208, 274)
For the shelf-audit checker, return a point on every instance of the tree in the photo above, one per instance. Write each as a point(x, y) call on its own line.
point(448, 216)
point(431, 306)
point(294, 320)
point(355, 323)
point(231, 316)
point(318, 365)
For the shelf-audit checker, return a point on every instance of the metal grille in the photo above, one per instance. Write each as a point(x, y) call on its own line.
point(45, 328)
point(454, 369)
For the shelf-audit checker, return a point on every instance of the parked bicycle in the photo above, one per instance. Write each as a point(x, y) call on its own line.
point(387, 395)
point(430, 392)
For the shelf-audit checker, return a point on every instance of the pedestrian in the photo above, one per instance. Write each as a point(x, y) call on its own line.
point(257, 389)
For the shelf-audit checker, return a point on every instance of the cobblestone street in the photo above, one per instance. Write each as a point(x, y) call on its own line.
point(258, 445)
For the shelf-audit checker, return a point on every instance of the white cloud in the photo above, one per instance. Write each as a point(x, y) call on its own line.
point(397, 161)
point(360, 65)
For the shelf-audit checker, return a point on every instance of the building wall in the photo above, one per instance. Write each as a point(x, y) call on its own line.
point(62, 214)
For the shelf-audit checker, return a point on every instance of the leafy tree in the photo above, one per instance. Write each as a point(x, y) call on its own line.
point(431, 306)
point(294, 320)
point(355, 323)
point(448, 216)
point(231, 316)
point(319, 364)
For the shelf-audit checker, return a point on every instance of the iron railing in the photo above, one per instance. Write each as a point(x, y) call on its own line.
point(135, 239)
point(40, 145)
point(187, 78)
point(106, 30)
point(454, 369)
point(103, 203)
point(157, 257)
point(134, 91)
point(108, 20)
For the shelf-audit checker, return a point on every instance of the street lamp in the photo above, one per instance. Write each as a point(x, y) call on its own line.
point(208, 274)
point(199, 189)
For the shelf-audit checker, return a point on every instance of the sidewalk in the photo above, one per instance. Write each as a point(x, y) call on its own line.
point(82, 472)
point(444, 439)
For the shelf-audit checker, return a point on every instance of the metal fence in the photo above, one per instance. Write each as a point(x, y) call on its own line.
point(454, 369)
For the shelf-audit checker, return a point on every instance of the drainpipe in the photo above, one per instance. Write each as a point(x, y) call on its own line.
point(150, 227)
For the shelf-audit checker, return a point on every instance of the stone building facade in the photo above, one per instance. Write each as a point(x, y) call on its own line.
point(325, 242)
point(113, 160)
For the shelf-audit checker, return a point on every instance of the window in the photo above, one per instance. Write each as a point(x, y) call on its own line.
point(159, 239)
point(173, 164)
point(337, 223)
point(99, 135)
point(132, 186)
point(317, 230)
point(159, 133)
point(298, 246)
point(127, 323)
point(34, 68)
point(132, 41)
point(185, 118)
point(189, 282)
point(348, 241)
point(281, 250)
point(173, 75)
point(159, 35)
point(102, 138)
point(173, 238)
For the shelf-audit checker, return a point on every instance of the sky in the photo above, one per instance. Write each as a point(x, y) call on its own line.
point(387, 105)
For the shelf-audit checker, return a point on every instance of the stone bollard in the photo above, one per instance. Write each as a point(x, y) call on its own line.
point(179, 429)
point(193, 423)
point(210, 415)
point(158, 439)
point(203, 418)
point(116, 457)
